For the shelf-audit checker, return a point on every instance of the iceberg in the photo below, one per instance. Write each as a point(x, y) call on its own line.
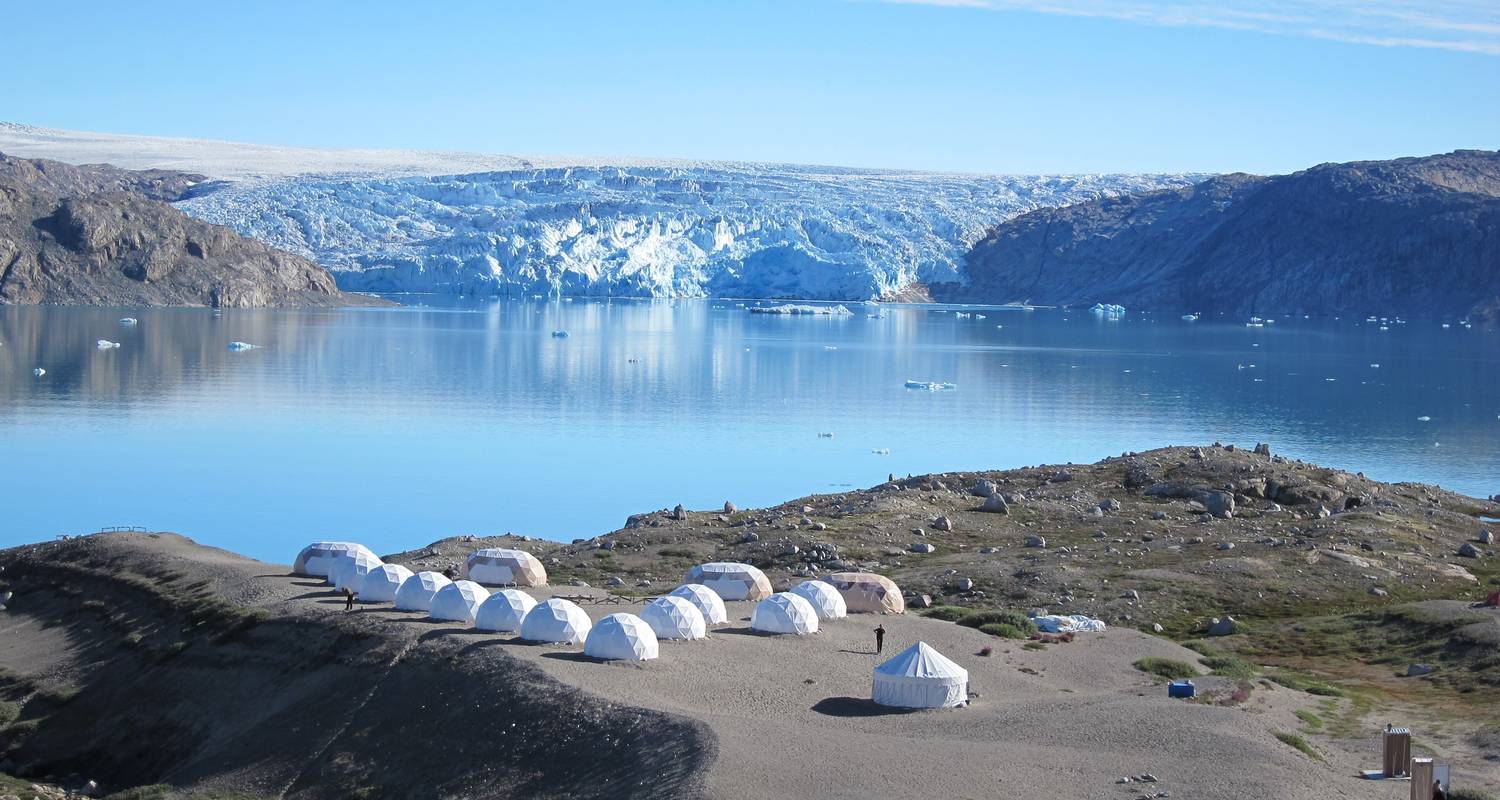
point(105, 344)
point(39, 372)
point(791, 309)
point(931, 386)
point(1190, 317)
point(1108, 310)
point(128, 321)
point(559, 334)
point(239, 346)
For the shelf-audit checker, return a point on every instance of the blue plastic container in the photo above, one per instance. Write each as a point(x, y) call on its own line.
point(1181, 689)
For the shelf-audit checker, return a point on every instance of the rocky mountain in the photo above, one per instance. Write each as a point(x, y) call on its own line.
point(1408, 236)
point(99, 235)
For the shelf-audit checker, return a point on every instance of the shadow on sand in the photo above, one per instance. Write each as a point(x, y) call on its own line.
point(856, 707)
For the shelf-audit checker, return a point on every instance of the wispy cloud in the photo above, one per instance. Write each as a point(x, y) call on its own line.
point(1462, 25)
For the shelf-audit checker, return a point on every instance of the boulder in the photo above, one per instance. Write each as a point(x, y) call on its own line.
point(922, 547)
point(943, 523)
point(1486, 537)
point(1418, 670)
point(607, 544)
point(1158, 515)
point(963, 584)
point(679, 513)
point(1322, 512)
point(750, 536)
point(1468, 550)
point(984, 488)
point(1378, 592)
point(730, 508)
point(995, 504)
point(616, 582)
point(1263, 449)
point(1035, 541)
point(1110, 505)
point(919, 601)
point(1219, 503)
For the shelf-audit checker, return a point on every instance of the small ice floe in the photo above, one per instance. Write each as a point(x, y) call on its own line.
point(1384, 327)
point(875, 315)
point(1424, 419)
point(559, 334)
point(884, 451)
point(961, 315)
point(39, 372)
point(242, 346)
point(931, 386)
point(1190, 317)
point(127, 321)
point(1330, 380)
point(105, 344)
point(998, 327)
point(829, 347)
point(978, 316)
point(1374, 366)
point(1108, 310)
point(825, 436)
point(1255, 324)
point(1445, 324)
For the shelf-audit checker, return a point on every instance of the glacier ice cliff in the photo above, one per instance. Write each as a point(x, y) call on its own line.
point(741, 230)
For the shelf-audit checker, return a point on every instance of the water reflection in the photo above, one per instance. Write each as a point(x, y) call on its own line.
point(401, 426)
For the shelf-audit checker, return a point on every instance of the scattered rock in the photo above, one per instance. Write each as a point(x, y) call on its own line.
point(1132, 595)
point(1158, 515)
point(1468, 550)
point(1226, 545)
point(1378, 592)
point(1157, 628)
point(1035, 541)
point(1110, 505)
point(606, 544)
point(616, 582)
point(995, 504)
point(1220, 504)
point(922, 547)
point(1486, 537)
point(919, 601)
point(963, 584)
point(750, 536)
point(943, 523)
point(730, 508)
point(1418, 670)
point(679, 513)
point(1060, 476)
point(984, 489)
point(985, 551)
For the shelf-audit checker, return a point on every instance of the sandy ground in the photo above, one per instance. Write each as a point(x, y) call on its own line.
point(792, 716)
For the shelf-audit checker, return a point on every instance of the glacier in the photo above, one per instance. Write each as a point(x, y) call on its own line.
point(644, 230)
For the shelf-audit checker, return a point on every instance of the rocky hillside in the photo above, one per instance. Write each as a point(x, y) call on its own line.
point(99, 235)
point(1409, 236)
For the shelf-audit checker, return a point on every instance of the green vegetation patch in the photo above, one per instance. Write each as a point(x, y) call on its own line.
point(1014, 619)
point(1470, 794)
point(947, 613)
point(1003, 630)
point(1298, 743)
point(1168, 668)
point(1310, 719)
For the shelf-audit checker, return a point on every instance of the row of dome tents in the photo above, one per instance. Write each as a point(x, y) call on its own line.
point(917, 677)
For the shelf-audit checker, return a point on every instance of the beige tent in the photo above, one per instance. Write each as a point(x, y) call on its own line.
point(868, 593)
point(497, 566)
point(731, 580)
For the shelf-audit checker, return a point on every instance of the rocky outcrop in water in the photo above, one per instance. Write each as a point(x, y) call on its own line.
point(1409, 236)
point(99, 235)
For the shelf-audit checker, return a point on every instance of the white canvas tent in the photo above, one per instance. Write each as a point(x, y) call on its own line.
point(673, 617)
point(458, 601)
point(497, 566)
point(920, 677)
point(731, 580)
point(349, 573)
point(709, 603)
point(503, 611)
point(784, 612)
point(381, 584)
point(868, 593)
point(825, 599)
point(416, 593)
point(621, 637)
point(558, 621)
point(318, 558)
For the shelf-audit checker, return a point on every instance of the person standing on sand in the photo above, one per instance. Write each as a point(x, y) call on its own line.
point(879, 639)
point(1437, 791)
point(348, 600)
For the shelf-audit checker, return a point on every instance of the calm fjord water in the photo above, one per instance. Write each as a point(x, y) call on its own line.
point(397, 427)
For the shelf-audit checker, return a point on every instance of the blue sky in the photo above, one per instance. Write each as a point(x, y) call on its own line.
point(965, 85)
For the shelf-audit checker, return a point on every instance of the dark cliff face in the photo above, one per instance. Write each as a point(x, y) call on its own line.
point(1409, 236)
point(99, 235)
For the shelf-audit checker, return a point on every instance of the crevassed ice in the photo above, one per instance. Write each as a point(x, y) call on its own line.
point(647, 231)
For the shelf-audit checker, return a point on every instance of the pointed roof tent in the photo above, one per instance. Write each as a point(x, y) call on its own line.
point(673, 617)
point(621, 637)
point(920, 677)
point(349, 573)
point(825, 599)
point(497, 566)
point(458, 601)
point(557, 621)
point(416, 592)
point(731, 580)
point(784, 612)
point(381, 584)
point(318, 558)
point(868, 593)
point(503, 611)
point(708, 602)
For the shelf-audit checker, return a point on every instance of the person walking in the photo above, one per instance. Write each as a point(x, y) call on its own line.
point(879, 639)
point(348, 600)
point(1437, 791)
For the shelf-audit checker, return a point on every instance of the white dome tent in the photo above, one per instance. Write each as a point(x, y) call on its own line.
point(621, 637)
point(784, 612)
point(458, 601)
point(381, 584)
point(920, 677)
point(557, 621)
point(673, 617)
point(497, 566)
point(731, 580)
point(708, 602)
point(503, 611)
point(318, 558)
point(825, 599)
point(416, 593)
point(349, 573)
